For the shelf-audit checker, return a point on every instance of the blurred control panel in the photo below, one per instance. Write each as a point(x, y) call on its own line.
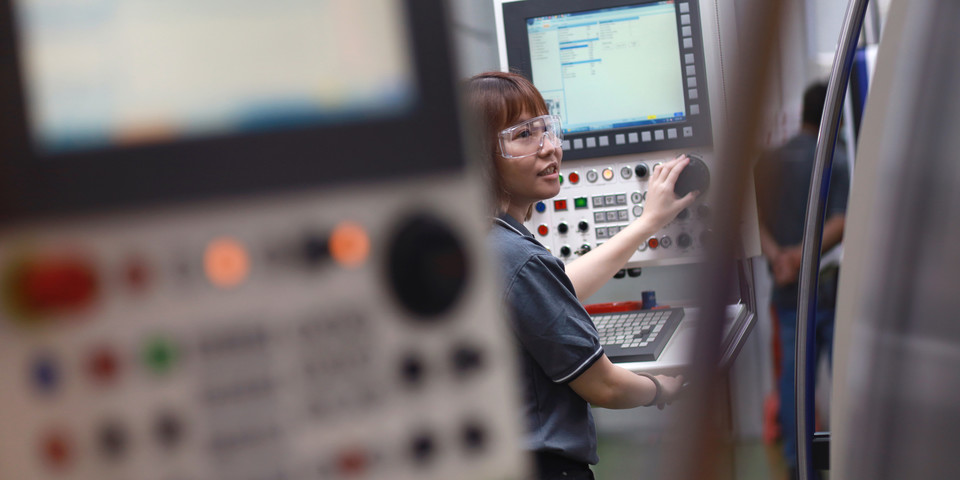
point(333, 335)
point(599, 197)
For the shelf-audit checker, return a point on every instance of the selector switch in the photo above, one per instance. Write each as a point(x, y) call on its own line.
point(426, 266)
point(695, 176)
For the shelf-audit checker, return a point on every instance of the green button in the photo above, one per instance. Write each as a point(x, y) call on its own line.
point(561, 179)
point(159, 355)
point(580, 202)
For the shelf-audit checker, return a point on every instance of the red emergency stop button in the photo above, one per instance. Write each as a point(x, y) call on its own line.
point(543, 230)
point(42, 286)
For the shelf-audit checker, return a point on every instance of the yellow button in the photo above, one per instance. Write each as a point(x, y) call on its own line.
point(226, 262)
point(607, 174)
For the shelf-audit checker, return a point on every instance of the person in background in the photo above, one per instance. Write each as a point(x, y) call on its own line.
point(563, 365)
point(783, 181)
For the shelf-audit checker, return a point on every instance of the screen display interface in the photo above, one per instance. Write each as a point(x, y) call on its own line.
point(609, 68)
point(103, 73)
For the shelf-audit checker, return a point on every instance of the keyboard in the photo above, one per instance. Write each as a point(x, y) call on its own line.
point(638, 335)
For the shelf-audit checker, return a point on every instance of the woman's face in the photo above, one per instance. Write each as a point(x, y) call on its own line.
point(532, 178)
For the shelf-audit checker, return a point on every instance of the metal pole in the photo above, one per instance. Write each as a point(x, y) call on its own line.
point(813, 234)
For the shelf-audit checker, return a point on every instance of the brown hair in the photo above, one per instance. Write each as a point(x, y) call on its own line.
point(496, 100)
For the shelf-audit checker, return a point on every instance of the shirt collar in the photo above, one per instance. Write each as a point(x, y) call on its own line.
point(507, 221)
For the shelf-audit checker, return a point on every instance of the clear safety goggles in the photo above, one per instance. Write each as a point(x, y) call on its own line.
point(526, 138)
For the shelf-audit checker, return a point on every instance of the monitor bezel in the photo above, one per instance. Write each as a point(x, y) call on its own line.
point(634, 139)
point(36, 185)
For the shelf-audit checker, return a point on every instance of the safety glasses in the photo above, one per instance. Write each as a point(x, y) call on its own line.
point(526, 138)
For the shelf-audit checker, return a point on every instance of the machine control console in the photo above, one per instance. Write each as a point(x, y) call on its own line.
point(599, 197)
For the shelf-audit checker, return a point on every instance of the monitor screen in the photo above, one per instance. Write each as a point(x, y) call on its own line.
point(107, 73)
point(609, 68)
point(626, 76)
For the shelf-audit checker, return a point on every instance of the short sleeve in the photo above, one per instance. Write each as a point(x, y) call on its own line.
point(550, 322)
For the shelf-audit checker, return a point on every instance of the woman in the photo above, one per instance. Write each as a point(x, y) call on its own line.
point(563, 364)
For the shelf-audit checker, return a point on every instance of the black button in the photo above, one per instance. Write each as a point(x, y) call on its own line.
point(684, 214)
point(641, 170)
point(620, 274)
point(412, 370)
point(634, 272)
point(564, 251)
point(583, 226)
point(474, 437)
point(422, 448)
point(563, 227)
point(684, 240)
point(113, 441)
point(467, 359)
point(168, 430)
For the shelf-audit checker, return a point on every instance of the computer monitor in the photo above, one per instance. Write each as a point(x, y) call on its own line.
point(128, 103)
point(625, 76)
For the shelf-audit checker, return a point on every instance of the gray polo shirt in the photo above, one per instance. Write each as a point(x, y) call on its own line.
point(557, 339)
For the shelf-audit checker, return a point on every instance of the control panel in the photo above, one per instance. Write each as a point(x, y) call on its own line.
point(600, 197)
point(341, 334)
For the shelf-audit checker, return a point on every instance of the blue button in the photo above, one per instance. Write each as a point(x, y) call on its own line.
point(46, 374)
point(541, 207)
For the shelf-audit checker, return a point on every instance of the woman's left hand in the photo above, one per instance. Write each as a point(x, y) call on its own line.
point(662, 205)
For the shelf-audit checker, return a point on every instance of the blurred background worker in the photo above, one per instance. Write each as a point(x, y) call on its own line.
point(783, 180)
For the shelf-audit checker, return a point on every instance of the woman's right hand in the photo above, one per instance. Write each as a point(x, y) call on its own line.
point(662, 205)
point(671, 389)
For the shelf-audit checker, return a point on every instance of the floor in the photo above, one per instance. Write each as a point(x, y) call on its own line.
point(626, 458)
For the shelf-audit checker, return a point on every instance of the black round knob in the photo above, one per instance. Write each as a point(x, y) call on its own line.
point(684, 240)
point(563, 227)
point(695, 176)
point(641, 170)
point(427, 265)
point(583, 226)
point(564, 251)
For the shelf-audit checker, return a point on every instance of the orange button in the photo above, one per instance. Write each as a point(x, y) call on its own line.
point(607, 174)
point(653, 242)
point(226, 262)
point(349, 244)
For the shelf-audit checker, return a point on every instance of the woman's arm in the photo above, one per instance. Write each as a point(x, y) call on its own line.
point(591, 271)
point(609, 386)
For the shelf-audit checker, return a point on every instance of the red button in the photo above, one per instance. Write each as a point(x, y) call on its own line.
point(54, 285)
point(543, 230)
point(653, 243)
point(57, 450)
point(352, 462)
point(103, 365)
point(559, 205)
point(574, 177)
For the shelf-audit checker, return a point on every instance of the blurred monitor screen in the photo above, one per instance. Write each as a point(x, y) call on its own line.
point(106, 73)
point(609, 68)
